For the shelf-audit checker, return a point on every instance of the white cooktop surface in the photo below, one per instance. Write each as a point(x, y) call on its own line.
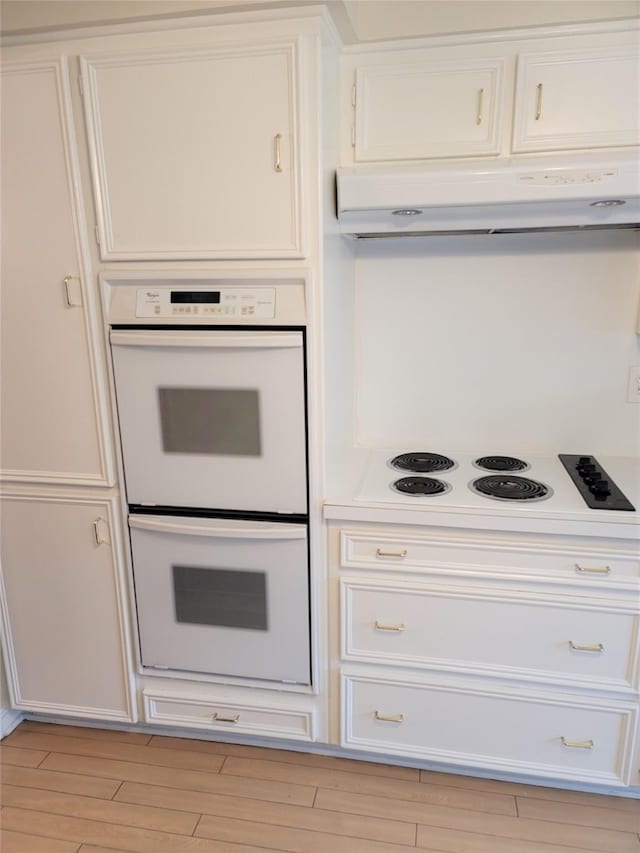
point(376, 486)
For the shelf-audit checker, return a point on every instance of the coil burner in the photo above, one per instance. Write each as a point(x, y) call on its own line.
point(505, 487)
point(500, 463)
point(423, 486)
point(422, 463)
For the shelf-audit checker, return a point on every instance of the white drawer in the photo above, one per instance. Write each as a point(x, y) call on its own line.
point(197, 713)
point(480, 630)
point(538, 734)
point(598, 564)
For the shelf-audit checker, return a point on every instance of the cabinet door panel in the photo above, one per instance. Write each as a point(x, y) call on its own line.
point(51, 427)
point(65, 643)
point(579, 99)
point(406, 112)
point(194, 153)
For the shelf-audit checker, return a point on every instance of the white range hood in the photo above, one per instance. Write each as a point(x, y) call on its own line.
point(505, 196)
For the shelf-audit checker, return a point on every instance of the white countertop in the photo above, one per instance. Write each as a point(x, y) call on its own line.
point(362, 491)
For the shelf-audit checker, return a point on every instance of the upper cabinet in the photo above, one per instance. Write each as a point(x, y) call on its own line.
point(428, 109)
point(195, 152)
point(577, 99)
point(54, 424)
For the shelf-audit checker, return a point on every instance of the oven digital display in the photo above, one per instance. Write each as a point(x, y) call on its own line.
point(195, 297)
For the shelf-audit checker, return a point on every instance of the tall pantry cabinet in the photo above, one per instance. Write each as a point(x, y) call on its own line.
point(66, 645)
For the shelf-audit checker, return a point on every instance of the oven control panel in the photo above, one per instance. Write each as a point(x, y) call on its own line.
point(225, 303)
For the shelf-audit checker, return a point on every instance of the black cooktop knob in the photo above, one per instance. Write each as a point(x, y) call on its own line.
point(584, 460)
point(587, 469)
point(601, 489)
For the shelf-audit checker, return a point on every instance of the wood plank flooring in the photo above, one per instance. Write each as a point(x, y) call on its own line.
point(68, 789)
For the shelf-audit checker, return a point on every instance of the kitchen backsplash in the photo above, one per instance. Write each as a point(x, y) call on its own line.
point(500, 343)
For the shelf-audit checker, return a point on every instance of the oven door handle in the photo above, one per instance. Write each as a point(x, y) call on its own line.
point(218, 528)
point(213, 339)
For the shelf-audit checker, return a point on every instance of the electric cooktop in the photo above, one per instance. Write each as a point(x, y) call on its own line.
point(564, 483)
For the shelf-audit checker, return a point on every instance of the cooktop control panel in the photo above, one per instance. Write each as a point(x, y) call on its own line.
point(594, 484)
point(229, 303)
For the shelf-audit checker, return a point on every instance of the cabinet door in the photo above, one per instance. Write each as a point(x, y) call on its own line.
point(418, 111)
point(53, 430)
point(580, 99)
point(195, 153)
point(65, 637)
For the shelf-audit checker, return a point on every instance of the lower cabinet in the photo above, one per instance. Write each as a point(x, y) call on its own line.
point(66, 641)
point(489, 652)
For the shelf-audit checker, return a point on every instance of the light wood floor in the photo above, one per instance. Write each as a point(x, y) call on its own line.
point(76, 790)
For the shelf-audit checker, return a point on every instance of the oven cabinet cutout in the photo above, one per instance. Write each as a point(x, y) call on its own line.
point(66, 645)
point(195, 151)
point(586, 98)
point(429, 109)
point(222, 597)
point(54, 427)
point(212, 419)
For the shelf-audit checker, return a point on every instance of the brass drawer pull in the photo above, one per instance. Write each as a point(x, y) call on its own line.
point(399, 555)
point(577, 744)
point(594, 647)
point(219, 719)
point(399, 627)
point(277, 156)
point(585, 570)
point(392, 718)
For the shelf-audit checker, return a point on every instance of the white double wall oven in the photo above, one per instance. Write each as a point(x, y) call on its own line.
point(210, 391)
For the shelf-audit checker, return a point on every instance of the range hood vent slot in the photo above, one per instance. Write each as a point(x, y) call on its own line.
point(551, 229)
point(551, 193)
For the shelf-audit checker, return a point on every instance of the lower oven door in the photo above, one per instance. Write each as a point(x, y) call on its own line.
point(222, 596)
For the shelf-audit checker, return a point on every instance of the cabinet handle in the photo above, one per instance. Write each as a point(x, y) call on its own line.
point(399, 627)
point(99, 538)
point(585, 570)
point(577, 744)
point(392, 718)
point(277, 141)
point(480, 103)
point(220, 719)
point(67, 293)
point(539, 101)
point(400, 555)
point(594, 647)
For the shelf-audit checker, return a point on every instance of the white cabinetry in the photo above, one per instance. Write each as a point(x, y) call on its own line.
point(52, 418)
point(195, 152)
point(428, 109)
point(512, 653)
point(585, 98)
point(65, 637)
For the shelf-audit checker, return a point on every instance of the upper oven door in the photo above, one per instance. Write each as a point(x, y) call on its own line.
point(212, 419)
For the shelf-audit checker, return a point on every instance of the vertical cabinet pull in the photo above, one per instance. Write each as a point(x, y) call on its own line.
point(101, 531)
point(218, 718)
point(538, 101)
point(67, 291)
point(277, 154)
point(577, 744)
point(480, 106)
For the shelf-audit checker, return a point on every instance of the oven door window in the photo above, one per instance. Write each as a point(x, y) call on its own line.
point(210, 420)
point(209, 596)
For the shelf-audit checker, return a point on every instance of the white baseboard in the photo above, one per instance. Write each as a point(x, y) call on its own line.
point(9, 719)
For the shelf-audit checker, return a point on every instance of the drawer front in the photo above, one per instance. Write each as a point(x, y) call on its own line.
point(509, 634)
point(542, 735)
point(167, 710)
point(598, 565)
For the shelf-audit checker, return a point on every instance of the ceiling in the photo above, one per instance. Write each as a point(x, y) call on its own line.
point(358, 20)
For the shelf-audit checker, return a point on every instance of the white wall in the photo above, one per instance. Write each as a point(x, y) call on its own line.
point(498, 344)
